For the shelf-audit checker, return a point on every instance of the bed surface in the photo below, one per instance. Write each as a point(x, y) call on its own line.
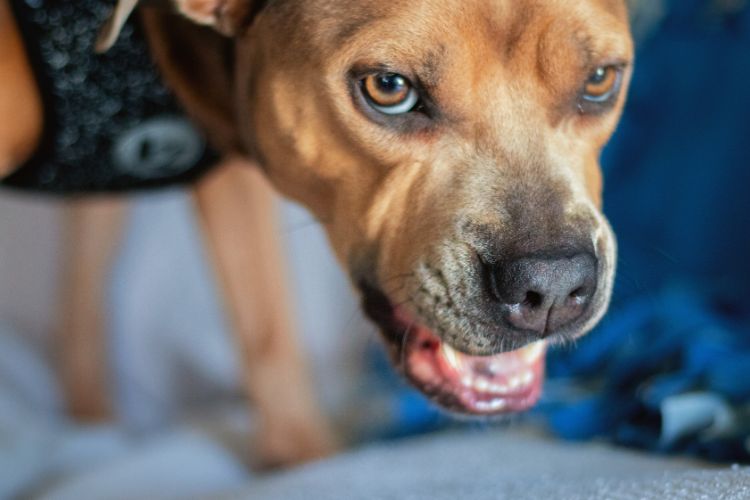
point(501, 464)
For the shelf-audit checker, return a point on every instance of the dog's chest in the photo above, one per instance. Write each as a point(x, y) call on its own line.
point(110, 123)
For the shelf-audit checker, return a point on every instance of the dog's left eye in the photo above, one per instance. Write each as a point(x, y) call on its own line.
point(390, 93)
point(602, 84)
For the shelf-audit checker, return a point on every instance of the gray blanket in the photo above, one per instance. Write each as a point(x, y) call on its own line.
point(501, 465)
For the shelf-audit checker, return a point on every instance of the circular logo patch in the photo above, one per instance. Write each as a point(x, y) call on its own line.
point(159, 147)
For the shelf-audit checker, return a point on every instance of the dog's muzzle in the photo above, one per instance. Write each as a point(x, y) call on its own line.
point(476, 385)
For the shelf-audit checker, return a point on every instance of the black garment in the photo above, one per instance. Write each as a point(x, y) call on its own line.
point(110, 123)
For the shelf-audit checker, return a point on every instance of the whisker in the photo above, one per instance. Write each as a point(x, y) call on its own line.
point(350, 322)
point(404, 340)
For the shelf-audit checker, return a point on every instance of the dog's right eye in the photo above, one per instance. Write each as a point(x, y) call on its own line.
point(390, 93)
point(602, 84)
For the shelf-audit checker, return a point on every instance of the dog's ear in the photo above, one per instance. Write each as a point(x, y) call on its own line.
point(227, 17)
point(198, 64)
point(192, 43)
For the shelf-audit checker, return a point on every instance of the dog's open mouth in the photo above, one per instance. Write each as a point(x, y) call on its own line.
point(506, 382)
point(477, 385)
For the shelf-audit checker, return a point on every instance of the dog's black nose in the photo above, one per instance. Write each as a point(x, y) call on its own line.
point(544, 294)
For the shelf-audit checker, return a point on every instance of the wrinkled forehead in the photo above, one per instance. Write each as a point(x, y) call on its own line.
point(496, 29)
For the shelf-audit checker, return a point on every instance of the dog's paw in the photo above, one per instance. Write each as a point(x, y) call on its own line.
point(280, 448)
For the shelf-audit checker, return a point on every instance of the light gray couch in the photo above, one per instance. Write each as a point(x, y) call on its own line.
point(500, 465)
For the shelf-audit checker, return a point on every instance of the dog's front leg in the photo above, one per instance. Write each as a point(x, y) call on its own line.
point(237, 210)
point(92, 231)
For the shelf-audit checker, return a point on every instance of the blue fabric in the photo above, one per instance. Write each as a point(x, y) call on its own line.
point(678, 173)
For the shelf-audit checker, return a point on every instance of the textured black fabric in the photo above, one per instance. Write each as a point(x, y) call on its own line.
point(110, 123)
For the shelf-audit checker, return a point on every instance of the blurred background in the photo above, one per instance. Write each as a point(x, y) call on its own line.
point(667, 371)
point(668, 368)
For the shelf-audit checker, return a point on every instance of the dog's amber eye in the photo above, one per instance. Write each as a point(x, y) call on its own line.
point(602, 84)
point(390, 93)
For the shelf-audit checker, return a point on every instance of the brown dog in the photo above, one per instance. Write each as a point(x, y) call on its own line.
point(449, 147)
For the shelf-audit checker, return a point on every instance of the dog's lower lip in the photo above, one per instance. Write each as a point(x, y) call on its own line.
point(481, 385)
point(478, 385)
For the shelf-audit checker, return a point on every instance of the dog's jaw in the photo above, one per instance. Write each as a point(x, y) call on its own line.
point(475, 385)
point(457, 382)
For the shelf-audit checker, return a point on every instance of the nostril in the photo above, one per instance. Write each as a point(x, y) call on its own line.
point(578, 292)
point(579, 296)
point(533, 300)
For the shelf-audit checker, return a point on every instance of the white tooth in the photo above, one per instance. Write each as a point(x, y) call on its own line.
point(481, 384)
point(497, 404)
point(451, 356)
point(498, 389)
point(467, 380)
point(514, 382)
point(531, 352)
point(494, 405)
point(483, 406)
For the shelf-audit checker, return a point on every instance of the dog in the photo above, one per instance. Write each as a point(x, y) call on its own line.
point(450, 149)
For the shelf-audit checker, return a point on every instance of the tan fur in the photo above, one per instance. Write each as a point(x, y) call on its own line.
point(505, 74)
point(20, 105)
point(508, 164)
point(92, 229)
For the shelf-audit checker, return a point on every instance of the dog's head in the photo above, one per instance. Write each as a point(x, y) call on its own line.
point(451, 150)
